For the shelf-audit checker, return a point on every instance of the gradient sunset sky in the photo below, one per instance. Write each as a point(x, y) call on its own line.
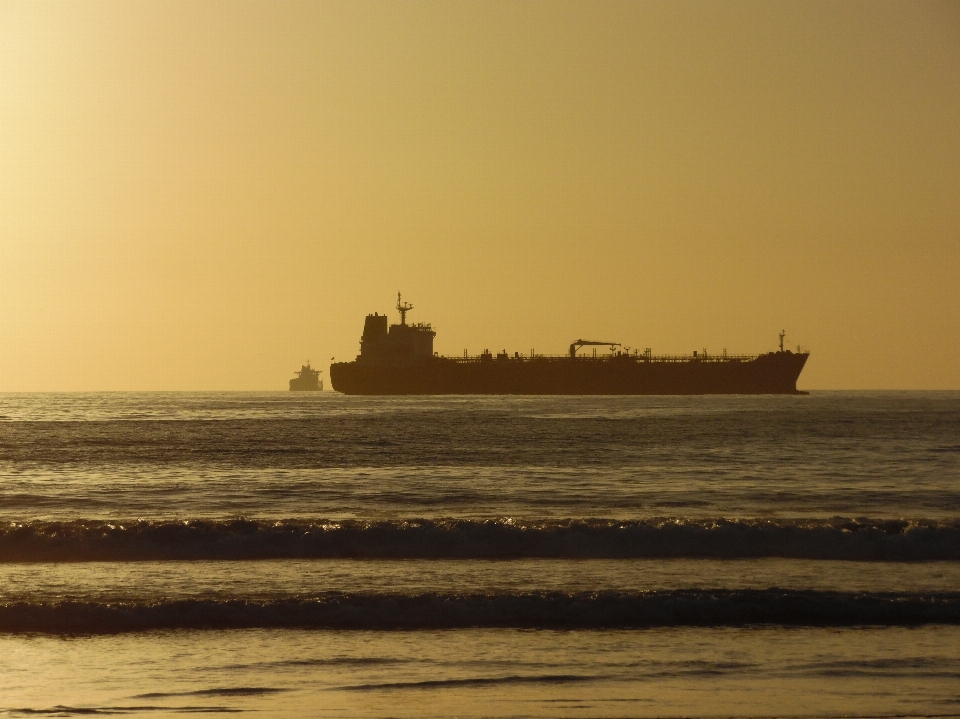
point(203, 195)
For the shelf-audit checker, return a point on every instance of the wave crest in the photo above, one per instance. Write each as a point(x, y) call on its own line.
point(597, 610)
point(142, 540)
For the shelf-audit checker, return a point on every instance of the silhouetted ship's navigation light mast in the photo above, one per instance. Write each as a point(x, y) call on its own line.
point(404, 307)
point(307, 380)
point(399, 359)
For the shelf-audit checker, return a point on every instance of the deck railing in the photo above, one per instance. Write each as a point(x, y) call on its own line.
point(633, 358)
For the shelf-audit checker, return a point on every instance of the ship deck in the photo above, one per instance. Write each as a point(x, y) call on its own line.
point(638, 358)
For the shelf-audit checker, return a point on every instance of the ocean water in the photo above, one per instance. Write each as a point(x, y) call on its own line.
point(321, 555)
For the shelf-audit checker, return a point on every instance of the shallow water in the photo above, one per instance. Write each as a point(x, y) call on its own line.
point(324, 555)
point(673, 672)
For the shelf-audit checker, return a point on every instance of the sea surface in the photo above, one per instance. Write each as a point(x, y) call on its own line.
point(317, 555)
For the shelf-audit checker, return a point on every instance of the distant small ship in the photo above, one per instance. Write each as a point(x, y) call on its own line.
point(307, 380)
point(401, 360)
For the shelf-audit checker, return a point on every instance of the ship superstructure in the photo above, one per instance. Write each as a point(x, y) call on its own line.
point(399, 359)
point(402, 343)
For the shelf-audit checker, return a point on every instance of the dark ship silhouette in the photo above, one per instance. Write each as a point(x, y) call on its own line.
point(400, 360)
point(307, 380)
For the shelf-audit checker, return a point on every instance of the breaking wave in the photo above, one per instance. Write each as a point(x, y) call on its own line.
point(599, 610)
point(838, 538)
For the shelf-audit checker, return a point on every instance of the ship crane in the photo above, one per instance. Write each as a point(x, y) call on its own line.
point(583, 343)
point(403, 308)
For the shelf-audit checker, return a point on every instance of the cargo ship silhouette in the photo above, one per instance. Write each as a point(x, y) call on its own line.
point(400, 360)
point(307, 380)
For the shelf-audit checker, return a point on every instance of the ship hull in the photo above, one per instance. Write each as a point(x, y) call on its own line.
point(773, 373)
point(308, 385)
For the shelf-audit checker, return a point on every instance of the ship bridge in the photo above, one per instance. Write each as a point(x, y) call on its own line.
point(400, 342)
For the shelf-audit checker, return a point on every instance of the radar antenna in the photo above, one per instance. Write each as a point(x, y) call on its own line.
point(403, 308)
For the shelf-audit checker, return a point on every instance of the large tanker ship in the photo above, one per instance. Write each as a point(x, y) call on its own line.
point(399, 359)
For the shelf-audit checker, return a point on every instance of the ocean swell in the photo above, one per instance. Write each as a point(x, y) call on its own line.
point(142, 540)
point(599, 610)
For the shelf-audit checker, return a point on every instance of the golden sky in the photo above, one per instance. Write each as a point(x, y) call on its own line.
point(203, 195)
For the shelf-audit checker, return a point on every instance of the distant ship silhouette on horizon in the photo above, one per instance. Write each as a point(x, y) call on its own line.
point(399, 359)
point(307, 380)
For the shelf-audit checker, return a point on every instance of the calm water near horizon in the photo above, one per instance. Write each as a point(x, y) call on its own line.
point(333, 556)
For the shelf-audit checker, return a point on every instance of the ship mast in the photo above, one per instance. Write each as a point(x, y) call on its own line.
point(782, 335)
point(403, 308)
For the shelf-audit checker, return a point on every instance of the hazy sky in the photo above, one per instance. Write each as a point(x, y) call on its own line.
point(203, 195)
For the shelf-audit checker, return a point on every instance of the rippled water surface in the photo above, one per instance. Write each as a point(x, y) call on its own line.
point(323, 555)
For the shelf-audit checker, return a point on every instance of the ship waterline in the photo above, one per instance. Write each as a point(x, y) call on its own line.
point(400, 360)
